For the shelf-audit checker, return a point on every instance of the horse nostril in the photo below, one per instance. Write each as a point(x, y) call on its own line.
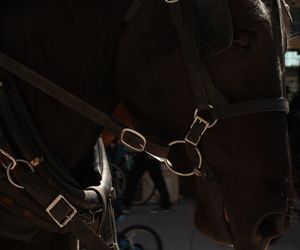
point(271, 226)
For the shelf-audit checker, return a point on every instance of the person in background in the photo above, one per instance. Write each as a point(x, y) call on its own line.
point(142, 163)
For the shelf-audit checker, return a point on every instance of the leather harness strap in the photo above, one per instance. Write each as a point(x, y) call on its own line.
point(59, 94)
point(32, 192)
point(59, 209)
point(63, 213)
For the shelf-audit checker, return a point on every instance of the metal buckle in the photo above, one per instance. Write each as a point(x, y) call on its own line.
point(199, 120)
point(137, 134)
point(68, 217)
point(206, 126)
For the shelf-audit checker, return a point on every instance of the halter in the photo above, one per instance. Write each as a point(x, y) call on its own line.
point(211, 104)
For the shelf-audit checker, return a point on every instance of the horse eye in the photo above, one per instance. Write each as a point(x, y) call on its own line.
point(243, 39)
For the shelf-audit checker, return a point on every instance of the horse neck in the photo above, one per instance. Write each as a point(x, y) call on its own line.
point(72, 44)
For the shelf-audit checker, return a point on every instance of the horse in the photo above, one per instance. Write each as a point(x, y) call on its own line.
point(204, 81)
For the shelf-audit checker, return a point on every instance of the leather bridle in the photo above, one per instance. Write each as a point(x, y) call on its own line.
point(211, 105)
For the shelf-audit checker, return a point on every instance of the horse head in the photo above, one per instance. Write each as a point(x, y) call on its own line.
point(244, 188)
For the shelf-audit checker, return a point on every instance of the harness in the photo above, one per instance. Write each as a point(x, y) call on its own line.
point(41, 191)
point(55, 193)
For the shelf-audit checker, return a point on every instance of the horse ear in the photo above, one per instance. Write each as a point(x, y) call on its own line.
point(213, 30)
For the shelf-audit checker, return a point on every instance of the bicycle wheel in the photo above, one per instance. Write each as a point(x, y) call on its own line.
point(144, 192)
point(118, 179)
point(141, 237)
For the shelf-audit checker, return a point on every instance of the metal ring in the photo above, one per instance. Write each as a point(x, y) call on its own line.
point(11, 167)
point(195, 170)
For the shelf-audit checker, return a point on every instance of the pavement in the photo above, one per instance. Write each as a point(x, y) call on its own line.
point(177, 231)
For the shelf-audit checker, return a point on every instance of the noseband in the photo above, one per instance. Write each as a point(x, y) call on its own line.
point(211, 104)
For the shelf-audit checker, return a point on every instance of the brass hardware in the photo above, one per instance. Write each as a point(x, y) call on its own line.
point(36, 161)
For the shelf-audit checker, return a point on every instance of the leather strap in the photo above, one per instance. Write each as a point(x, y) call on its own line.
point(286, 8)
point(245, 108)
point(207, 97)
point(59, 94)
point(43, 191)
point(57, 206)
point(61, 210)
point(48, 199)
